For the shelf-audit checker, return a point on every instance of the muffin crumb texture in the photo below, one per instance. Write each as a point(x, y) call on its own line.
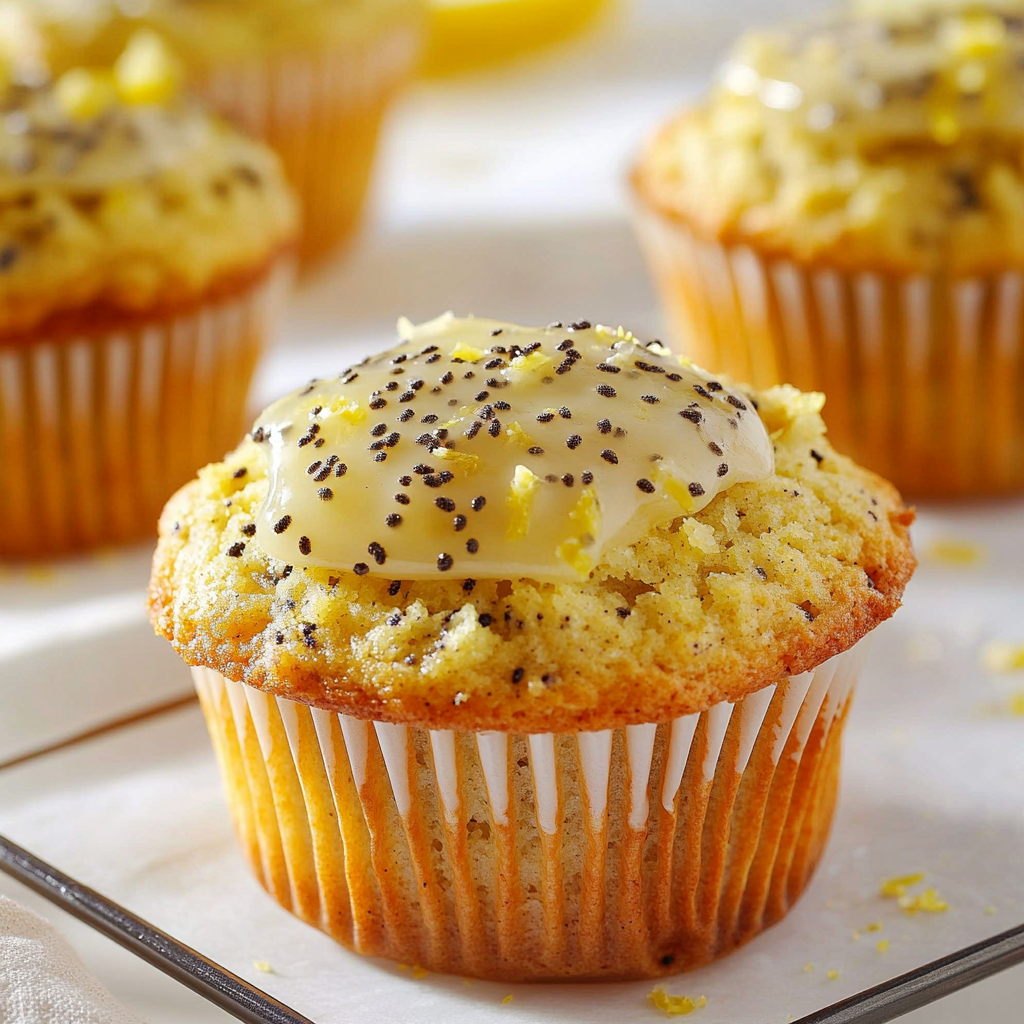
point(883, 136)
point(768, 580)
point(119, 198)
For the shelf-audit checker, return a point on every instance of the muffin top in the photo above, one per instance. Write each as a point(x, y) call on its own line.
point(67, 33)
point(494, 527)
point(114, 193)
point(888, 135)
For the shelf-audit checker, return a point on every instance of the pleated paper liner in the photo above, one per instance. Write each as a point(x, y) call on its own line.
point(924, 374)
point(628, 853)
point(321, 112)
point(99, 427)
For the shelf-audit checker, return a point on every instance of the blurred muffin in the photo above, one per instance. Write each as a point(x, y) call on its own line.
point(846, 212)
point(143, 247)
point(526, 652)
point(311, 77)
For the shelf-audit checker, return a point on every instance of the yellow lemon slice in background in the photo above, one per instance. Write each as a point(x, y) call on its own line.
point(473, 34)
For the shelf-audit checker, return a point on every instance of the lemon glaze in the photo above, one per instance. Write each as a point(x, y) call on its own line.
point(483, 449)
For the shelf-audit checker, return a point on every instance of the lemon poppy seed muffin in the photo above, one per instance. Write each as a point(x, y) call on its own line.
point(311, 77)
point(142, 248)
point(488, 616)
point(845, 211)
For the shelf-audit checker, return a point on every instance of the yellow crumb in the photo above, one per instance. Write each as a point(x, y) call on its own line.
point(1000, 656)
point(882, 945)
point(1017, 704)
point(832, 974)
point(419, 972)
point(953, 551)
point(930, 902)
point(674, 1006)
point(262, 965)
point(700, 536)
point(403, 967)
point(508, 999)
point(808, 968)
point(875, 926)
point(894, 888)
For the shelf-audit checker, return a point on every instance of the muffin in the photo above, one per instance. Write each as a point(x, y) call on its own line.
point(526, 653)
point(144, 247)
point(311, 77)
point(845, 211)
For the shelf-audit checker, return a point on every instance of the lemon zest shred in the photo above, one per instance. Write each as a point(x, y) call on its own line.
point(929, 902)
point(530, 363)
point(519, 437)
point(894, 888)
point(522, 492)
point(467, 462)
point(954, 551)
point(674, 1006)
point(467, 353)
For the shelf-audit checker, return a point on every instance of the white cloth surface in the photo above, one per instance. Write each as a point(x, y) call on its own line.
point(42, 981)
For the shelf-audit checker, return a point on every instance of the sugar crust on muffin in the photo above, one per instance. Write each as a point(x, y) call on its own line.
point(117, 206)
point(887, 136)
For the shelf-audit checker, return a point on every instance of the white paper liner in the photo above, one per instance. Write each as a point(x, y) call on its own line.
point(97, 430)
point(624, 853)
point(924, 374)
point(321, 111)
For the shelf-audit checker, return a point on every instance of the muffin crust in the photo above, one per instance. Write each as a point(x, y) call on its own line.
point(769, 580)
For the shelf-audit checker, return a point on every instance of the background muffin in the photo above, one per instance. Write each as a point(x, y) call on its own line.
point(619, 760)
point(311, 77)
point(846, 212)
point(142, 248)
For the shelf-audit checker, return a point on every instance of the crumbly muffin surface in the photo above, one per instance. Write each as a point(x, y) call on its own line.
point(885, 137)
point(65, 33)
point(127, 204)
point(770, 579)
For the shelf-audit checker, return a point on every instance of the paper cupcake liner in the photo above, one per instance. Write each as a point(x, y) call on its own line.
point(98, 429)
point(924, 374)
point(321, 112)
point(625, 853)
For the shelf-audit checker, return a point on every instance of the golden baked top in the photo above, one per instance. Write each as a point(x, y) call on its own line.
point(888, 135)
point(113, 192)
point(479, 448)
point(67, 33)
point(770, 578)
